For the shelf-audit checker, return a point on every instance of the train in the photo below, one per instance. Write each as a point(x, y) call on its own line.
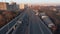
point(47, 21)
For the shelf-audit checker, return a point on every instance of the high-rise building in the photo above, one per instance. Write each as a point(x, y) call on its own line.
point(21, 6)
point(3, 5)
point(13, 6)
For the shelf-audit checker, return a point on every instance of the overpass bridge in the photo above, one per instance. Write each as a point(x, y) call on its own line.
point(26, 23)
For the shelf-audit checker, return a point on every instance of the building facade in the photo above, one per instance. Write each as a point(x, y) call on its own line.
point(3, 5)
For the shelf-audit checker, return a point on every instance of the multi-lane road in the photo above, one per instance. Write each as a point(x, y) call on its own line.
point(32, 24)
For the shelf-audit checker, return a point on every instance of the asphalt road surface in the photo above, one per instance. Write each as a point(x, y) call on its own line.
point(32, 25)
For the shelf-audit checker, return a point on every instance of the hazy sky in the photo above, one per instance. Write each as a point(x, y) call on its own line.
point(35, 1)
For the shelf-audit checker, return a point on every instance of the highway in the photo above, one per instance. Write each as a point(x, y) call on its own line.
point(32, 24)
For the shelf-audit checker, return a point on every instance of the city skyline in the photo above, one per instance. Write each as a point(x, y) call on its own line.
point(47, 2)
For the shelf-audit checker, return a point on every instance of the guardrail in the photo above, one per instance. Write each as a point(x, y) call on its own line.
point(24, 20)
point(6, 27)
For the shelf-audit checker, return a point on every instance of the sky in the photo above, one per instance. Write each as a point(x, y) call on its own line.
point(34, 1)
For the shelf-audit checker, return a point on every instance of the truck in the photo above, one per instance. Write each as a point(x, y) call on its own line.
point(47, 21)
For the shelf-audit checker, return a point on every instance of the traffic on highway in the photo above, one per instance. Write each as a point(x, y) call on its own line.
point(29, 17)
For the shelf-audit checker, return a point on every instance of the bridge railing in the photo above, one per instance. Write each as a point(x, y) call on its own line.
point(24, 20)
point(6, 27)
